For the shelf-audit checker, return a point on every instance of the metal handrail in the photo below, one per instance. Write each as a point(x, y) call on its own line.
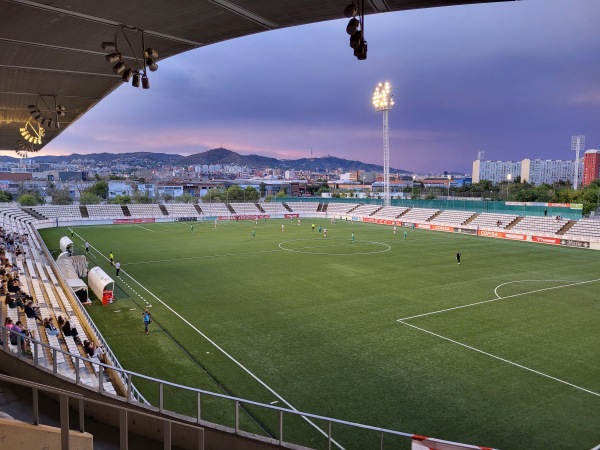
point(199, 393)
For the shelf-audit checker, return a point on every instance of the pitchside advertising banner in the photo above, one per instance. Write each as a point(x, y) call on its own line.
point(124, 221)
point(291, 216)
point(186, 219)
point(246, 217)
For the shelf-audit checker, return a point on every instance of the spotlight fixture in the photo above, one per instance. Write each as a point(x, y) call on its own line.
point(23, 148)
point(351, 10)
point(356, 28)
point(52, 111)
point(136, 79)
point(146, 61)
point(127, 75)
point(32, 132)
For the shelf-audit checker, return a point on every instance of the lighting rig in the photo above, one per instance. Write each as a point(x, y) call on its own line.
point(52, 111)
point(356, 28)
point(145, 61)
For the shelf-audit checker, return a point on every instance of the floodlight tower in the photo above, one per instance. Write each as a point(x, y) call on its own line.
point(383, 101)
point(577, 144)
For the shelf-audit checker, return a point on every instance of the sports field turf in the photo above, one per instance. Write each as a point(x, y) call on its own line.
point(317, 320)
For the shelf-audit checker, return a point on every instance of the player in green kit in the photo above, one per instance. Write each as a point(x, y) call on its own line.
point(353, 238)
point(253, 234)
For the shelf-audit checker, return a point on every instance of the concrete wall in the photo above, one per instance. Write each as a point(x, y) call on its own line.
point(19, 435)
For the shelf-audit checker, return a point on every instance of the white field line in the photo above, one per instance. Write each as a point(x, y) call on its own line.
point(231, 358)
point(527, 281)
point(147, 229)
point(597, 447)
point(496, 299)
point(503, 360)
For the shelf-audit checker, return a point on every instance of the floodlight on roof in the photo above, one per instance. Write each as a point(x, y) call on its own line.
point(113, 57)
point(119, 67)
point(351, 10)
point(60, 110)
point(136, 79)
point(151, 65)
point(127, 75)
point(145, 82)
point(352, 26)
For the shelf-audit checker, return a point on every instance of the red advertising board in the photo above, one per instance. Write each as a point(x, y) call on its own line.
point(380, 221)
point(124, 221)
point(546, 240)
point(503, 235)
point(291, 216)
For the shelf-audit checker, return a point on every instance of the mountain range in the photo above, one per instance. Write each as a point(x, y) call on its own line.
point(215, 156)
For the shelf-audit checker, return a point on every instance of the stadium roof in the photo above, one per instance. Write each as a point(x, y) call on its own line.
point(50, 52)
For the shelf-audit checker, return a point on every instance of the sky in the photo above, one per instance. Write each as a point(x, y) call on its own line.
point(513, 79)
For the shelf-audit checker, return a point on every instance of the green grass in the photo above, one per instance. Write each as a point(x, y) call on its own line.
point(317, 323)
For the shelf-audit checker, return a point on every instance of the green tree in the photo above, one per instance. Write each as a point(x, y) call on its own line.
point(268, 198)
point(185, 198)
point(251, 194)
point(5, 197)
point(234, 194)
point(214, 196)
point(167, 197)
point(88, 198)
point(281, 194)
point(120, 200)
point(99, 189)
point(28, 200)
point(61, 198)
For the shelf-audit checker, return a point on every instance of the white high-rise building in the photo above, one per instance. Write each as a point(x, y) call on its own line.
point(535, 171)
point(539, 171)
point(495, 171)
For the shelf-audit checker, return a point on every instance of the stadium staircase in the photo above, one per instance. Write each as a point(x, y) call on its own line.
point(322, 207)
point(286, 206)
point(434, 216)
point(125, 210)
point(163, 208)
point(34, 213)
point(197, 208)
point(471, 219)
point(354, 208)
point(566, 227)
point(230, 208)
point(376, 211)
point(514, 222)
point(83, 211)
point(260, 208)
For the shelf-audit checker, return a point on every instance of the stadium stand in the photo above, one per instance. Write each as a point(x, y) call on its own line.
point(302, 207)
point(245, 209)
point(152, 210)
point(540, 224)
point(340, 208)
point(493, 220)
point(51, 211)
point(214, 209)
point(419, 214)
point(453, 217)
point(274, 208)
point(113, 211)
point(184, 210)
point(390, 212)
point(584, 228)
point(366, 210)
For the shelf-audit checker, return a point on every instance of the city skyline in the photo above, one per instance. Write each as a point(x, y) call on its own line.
point(514, 79)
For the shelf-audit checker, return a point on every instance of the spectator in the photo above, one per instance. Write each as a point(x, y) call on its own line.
point(68, 330)
point(93, 350)
point(17, 331)
point(32, 311)
point(50, 328)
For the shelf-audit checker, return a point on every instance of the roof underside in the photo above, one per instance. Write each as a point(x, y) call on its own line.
point(50, 51)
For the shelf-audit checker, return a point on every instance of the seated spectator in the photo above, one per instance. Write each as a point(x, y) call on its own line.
point(50, 328)
point(17, 331)
point(68, 330)
point(93, 350)
point(32, 311)
point(13, 302)
point(8, 323)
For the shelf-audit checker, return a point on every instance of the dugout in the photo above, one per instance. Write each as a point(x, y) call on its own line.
point(99, 282)
point(66, 245)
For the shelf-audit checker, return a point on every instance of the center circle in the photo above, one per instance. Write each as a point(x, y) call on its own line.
point(334, 247)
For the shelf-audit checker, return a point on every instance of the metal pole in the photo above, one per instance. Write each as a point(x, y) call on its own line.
point(386, 159)
point(64, 422)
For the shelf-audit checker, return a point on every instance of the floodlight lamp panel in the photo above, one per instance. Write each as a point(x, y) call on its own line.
point(119, 67)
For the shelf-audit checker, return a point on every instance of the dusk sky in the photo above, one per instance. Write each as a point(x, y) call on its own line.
point(514, 79)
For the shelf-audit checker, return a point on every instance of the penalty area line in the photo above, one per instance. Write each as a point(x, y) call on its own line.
point(235, 361)
point(496, 299)
point(537, 372)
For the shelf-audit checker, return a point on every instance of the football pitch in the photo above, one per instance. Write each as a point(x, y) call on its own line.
point(502, 350)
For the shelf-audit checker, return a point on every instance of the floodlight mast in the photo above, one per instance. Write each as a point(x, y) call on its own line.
point(383, 101)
